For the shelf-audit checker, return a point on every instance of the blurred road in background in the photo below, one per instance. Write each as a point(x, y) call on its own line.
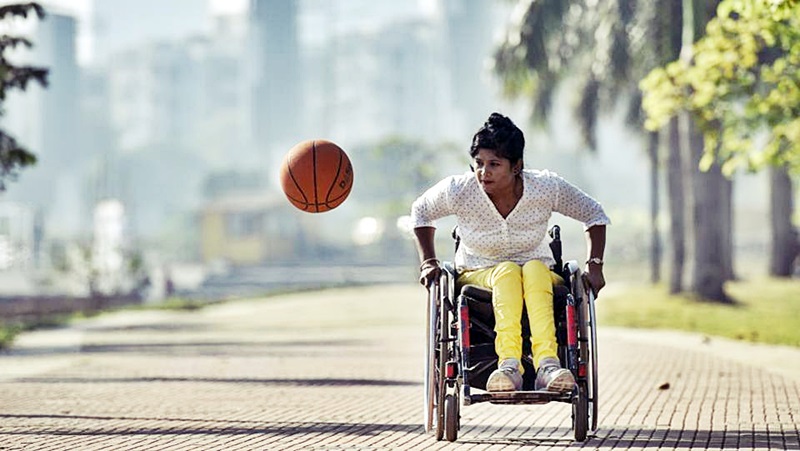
point(260, 280)
point(342, 369)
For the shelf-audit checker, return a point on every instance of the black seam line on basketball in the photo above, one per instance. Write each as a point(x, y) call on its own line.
point(335, 179)
point(314, 165)
point(299, 201)
point(340, 196)
point(305, 203)
point(297, 185)
point(344, 194)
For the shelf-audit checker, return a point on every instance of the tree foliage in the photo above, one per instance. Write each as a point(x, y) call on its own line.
point(590, 43)
point(394, 171)
point(13, 156)
point(741, 84)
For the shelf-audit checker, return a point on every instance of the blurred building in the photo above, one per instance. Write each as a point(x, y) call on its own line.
point(19, 236)
point(252, 230)
point(108, 249)
point(178, 111)
point(274, 59)
point(388, 82)
point(469, 28)
point(399, 69)
point(46, 121)
point(120, 25)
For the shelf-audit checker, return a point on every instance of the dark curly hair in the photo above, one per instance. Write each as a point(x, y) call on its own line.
point(498, 133)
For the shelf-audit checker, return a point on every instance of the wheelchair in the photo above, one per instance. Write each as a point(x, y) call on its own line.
point(460, 349)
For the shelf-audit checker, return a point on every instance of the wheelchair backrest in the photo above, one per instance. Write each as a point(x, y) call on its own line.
point(555, 248)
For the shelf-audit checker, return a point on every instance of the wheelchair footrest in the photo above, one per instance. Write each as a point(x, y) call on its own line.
point(518, 397)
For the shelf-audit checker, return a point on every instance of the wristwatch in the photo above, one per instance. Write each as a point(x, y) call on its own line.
point(595, 260)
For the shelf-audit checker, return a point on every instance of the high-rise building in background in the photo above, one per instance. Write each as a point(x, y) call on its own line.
point(179, 112)
point(121, 25)
point(399, 70)
point(274, 60)
point(46, 121)
point(468, 28)
point(388, 82)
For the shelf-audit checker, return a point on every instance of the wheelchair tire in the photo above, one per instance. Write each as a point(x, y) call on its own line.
point(437, 349)
point(593, 354)
point(580, 412)
point(432, 375)
point(442, 354)
point(451, 417)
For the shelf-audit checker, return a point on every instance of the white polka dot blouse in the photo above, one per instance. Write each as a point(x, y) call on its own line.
point(486, 237)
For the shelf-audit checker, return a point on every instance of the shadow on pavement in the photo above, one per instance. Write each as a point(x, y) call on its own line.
point(123, 426)
point(172, 327)
point(322, 382)
point(649, 438)
point(213, 348)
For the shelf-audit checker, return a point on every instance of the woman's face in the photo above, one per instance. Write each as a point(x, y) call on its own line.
point(495, 174)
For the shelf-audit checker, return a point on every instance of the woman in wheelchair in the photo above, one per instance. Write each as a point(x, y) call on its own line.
point(502, 213)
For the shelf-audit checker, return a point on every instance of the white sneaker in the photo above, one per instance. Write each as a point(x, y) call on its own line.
point(552, 377)
point(506, 377)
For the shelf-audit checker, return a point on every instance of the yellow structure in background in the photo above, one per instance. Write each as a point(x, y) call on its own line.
point(251, 230)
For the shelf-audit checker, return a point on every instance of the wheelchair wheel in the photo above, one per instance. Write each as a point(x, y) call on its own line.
point(442, 353)
point(451, 417)
point(580, 412)
point(592, 368)
point(435, 362)
point(584, 403)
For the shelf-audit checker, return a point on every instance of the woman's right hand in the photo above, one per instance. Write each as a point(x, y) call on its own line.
point(429, 272)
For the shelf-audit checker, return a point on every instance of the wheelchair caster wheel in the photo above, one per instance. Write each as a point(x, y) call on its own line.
point(580, 413)
point(451, 418)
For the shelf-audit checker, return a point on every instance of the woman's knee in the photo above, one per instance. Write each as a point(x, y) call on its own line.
point(506, 270)
point(535, 267)
point(537, 277)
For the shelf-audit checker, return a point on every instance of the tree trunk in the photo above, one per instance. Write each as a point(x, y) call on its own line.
point(783, 235)
point(655, 233)
point(706, 221)
point(677, 208)
point(726, 203)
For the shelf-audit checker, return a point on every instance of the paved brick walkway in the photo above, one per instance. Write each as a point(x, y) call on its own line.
point(342, 370)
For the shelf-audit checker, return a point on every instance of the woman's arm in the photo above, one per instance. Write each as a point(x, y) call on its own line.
point(596, 245)
point(429, 264)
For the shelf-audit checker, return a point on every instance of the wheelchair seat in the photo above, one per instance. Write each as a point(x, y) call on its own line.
point(483, 358)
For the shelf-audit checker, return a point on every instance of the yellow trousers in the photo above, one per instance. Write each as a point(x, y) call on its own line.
point(512, 285)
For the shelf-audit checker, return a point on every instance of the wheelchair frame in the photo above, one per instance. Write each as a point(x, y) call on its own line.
point(449, 364)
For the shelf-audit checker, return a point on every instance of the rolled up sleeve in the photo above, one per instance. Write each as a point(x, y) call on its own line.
point(433, 204)
point(573, 202)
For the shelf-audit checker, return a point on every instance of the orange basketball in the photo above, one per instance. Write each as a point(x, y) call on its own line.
point(316, 176)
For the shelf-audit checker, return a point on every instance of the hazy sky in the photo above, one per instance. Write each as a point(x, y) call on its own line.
point(107, 26)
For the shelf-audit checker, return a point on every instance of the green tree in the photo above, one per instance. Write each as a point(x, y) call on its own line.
point(13, 156)
point(742, 84)
point(742, 81)
point(611, 45)
point(606, 48)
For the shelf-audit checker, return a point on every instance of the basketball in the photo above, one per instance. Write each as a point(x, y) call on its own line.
point(316, 176)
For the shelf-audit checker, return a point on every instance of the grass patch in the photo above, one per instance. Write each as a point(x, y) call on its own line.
point(7, 334)
point(173, 303)
point(11, 329)
point(765, 311)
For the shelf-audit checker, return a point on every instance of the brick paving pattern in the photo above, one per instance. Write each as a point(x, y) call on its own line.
point(342, 370)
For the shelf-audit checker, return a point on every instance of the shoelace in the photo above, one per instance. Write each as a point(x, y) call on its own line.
point(549, 369)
